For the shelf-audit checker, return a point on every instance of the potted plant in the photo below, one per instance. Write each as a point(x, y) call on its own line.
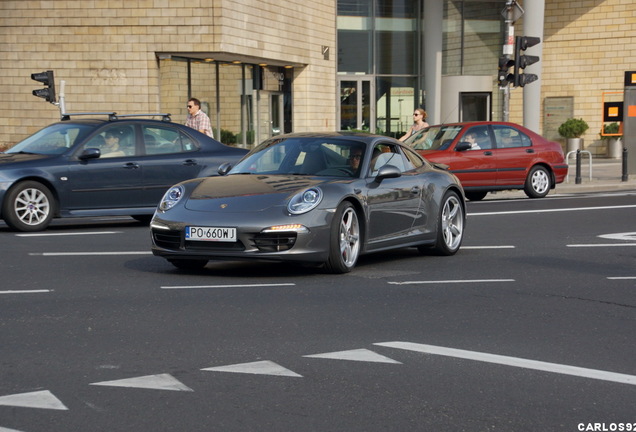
point(572, 129)
point(611, 134)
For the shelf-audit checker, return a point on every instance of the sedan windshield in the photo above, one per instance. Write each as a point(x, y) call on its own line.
point(433, 138)
point(54, 139)
point(304, 156)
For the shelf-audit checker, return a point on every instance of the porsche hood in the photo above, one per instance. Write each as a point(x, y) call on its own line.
point(246, 193)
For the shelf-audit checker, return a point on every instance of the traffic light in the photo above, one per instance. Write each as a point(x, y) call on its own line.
point(504, 77)
point(522, 61)
point(48, 80)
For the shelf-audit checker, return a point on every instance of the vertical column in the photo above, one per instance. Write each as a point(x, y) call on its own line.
point(533, 26)
point(432, 58)
point(629, 121)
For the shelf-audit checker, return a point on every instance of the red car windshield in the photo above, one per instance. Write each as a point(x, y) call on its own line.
point(433, 138)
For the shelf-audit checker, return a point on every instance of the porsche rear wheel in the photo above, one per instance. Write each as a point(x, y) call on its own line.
point(345, 240)
point(28, 206)
point(450, 226)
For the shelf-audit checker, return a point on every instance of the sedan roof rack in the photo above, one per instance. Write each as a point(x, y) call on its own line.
point(114, 116)
point(67, 116)
point(164, 116)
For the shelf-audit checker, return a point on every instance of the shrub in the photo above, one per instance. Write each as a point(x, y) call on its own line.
point(573, 128)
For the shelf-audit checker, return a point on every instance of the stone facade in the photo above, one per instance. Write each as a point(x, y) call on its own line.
point(107, 52)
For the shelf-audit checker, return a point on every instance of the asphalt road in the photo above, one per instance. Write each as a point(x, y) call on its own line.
point(530, 327)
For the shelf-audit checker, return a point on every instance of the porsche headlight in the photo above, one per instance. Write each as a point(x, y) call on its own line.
point(171, 198)
point(305, 201)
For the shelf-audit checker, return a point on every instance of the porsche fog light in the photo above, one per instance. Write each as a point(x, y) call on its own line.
point(305, 201)
point(171, 198)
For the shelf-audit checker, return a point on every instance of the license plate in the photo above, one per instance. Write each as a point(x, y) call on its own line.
point(220, 234)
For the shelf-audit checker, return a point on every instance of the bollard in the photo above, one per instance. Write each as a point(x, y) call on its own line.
point(577, 179)
point(625, 176)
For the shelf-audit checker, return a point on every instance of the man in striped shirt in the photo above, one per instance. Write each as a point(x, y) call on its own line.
point(197, 119)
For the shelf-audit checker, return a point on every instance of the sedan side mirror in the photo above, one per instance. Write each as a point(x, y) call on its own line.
point(224, 168)
point(463, 146)
point(90, 153)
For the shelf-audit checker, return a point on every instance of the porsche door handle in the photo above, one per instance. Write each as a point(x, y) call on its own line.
point(415, 190)
point(488, 153)
point(529, 151)
point(131, 165)
point(189, 162)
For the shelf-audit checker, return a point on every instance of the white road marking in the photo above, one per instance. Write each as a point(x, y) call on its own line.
point(451, 281)
point(363, 355)
point(601, 245)
point(549, 210)
point(621, 277)
point(50, 254)
point(67, 234)
point(489, 247)
point(153, 382)
point(514, 361)
point(227, 286)
point(264, 367)
point(25, 291)
point(3, 429)
point(629, 236)
point(38, 399)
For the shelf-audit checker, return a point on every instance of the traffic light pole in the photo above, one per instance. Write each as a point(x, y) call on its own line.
point(508, 50)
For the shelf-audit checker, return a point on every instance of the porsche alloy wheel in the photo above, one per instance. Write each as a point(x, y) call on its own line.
point(28, 207)
point(450, 226)
point(344, 245)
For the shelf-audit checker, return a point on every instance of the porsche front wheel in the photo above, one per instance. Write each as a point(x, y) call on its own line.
point(344, 241)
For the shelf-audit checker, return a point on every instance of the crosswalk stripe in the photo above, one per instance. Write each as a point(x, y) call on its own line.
point(152, 382)
point(264, 367)
point(363, 355)
point(38, 399)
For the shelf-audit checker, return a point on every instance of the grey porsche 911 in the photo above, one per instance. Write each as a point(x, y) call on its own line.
point(312, 198)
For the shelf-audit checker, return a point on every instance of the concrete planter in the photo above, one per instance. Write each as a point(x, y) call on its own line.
point(615, 148)
point(574, 144)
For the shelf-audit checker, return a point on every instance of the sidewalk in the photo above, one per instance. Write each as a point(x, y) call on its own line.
point(606, 176)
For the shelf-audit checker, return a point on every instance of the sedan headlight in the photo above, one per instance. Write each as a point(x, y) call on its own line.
point(171, 198)
point(305, 201)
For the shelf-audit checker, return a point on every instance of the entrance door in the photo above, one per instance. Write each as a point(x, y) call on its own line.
point(474, 106)
point(357, 104)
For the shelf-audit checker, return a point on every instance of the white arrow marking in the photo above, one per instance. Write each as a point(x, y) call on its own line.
point(2, 429)
point(153, 382)
point(264, 367)
point(39, 399)
point(364, 355)
point(514, 361)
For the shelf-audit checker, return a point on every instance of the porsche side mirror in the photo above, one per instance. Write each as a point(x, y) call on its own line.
point(388, 171)
point(224, 168)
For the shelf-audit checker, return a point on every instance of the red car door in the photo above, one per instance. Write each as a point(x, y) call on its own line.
point(514, 155)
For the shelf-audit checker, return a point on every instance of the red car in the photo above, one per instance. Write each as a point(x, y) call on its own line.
point(494, 156)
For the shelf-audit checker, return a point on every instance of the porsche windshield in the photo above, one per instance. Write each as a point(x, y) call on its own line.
point(54, 139)
point(303, 156)
point(433, 138)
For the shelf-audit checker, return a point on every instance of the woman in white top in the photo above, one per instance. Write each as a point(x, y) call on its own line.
point(419, 123)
